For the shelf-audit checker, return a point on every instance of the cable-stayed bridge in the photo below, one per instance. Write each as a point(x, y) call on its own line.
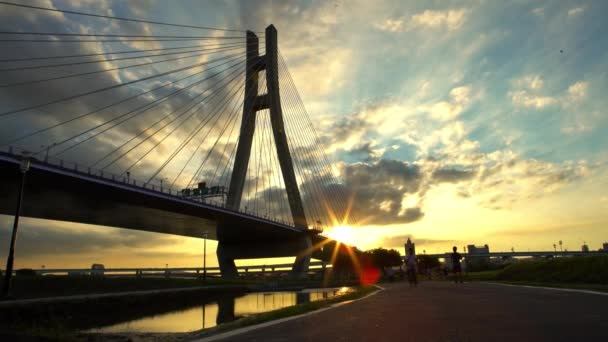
point(163, 127)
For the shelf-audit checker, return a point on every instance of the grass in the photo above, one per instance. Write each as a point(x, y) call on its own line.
point(575, 272)
point(51, 286)
point(592, 287)
point(286, 312)
point(26, 287)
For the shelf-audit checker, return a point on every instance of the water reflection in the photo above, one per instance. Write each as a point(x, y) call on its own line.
point(225, 309)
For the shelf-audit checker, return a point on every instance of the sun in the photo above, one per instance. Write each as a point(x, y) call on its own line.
point(344, 234)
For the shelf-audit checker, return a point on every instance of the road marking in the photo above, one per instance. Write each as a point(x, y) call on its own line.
point(555, 289)
point(281, 320)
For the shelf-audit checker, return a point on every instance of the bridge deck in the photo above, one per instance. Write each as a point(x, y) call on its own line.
point(70, 194)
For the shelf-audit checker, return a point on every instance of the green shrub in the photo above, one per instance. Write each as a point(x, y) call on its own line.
point(26, 272)
point(587, 269)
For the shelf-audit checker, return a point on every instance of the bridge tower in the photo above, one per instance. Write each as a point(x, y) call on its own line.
point(228, 248)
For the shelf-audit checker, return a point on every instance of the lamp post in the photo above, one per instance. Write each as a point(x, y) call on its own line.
point(205, 255)
point(48, 148)
point(23, 167)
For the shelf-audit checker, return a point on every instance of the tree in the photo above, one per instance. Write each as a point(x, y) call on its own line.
point(426, 262)
point(382, 258)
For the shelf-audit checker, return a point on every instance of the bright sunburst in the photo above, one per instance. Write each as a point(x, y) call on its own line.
point(344, 234)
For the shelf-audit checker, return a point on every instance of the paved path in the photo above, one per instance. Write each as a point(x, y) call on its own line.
point(439, 311)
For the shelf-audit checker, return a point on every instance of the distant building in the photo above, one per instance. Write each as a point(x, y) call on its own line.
point(475, 258)
point(472, 249)
point(409, 244)
point(97, 269)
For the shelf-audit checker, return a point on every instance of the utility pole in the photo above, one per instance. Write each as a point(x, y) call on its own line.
point(23, 167)
point(205, 255)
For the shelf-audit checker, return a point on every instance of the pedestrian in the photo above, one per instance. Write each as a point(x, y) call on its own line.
point(410, 261)
point(456, 266)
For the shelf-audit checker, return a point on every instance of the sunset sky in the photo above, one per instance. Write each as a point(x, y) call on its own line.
point(462, 121)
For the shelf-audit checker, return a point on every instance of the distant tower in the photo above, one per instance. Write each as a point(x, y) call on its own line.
point(409, 244)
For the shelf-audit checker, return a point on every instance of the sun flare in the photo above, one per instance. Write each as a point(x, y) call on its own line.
point(344, 234)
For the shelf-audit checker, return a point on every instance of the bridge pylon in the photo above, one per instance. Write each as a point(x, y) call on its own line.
point(228, 248)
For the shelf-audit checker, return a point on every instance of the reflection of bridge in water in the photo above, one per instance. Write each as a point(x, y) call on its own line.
point(119, 151)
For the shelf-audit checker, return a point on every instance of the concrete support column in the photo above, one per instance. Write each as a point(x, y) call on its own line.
point(225, 260)
point(278, 129)
point(300, 266)
point(243, 150)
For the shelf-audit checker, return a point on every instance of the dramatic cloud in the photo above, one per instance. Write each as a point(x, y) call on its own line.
point(450, 20)
point(398, 242)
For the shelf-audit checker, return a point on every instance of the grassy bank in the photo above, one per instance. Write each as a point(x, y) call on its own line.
point(26, 287)
point(579, 272)
point(286, 312)
point(62, 320)
point(57, 286)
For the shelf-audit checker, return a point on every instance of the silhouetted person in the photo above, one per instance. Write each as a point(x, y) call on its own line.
point(456, 266)
point(410, 261)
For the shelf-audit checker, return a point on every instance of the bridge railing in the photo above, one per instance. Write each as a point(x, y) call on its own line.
point(42, 158)
point(315, 266)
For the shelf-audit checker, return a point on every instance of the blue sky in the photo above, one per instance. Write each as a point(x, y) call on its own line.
point(486, 118)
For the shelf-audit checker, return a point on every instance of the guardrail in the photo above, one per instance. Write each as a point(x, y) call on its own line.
point(122, 179)
point(518, 254)
point(176, 271)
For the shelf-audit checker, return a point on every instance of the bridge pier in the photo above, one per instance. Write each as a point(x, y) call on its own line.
point(233, 247)
point(228, 252)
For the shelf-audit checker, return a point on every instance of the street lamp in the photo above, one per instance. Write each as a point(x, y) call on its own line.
point(47, 147)
point(205, 234)
point(24, 166)
point(161, 183)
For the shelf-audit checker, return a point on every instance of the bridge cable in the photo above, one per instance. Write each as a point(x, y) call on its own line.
point(191, 116)
point(313, 184)
point(86, 93)
point(18, 84)
point(64, 34)
point(117, 52)
point(235, 110)
point(203, 163)
point(296, 143)
point(216, 49)
point(118, 18)
point(201, 167)
point(21, 40)
point(232, 119)
point(137, 111)
point(187, 141)
point(345, 209)
point(108, 106)
point(209, 96)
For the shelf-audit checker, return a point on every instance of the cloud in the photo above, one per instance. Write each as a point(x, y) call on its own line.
point(40, 238)
point(445, 111)
point(539, 11)
point(575, 11)
point(398, 242)
point(391, 25)
point(527, 93)
point(523, 98)
point(453, 175)
point(578, 91)
point(449, 20)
